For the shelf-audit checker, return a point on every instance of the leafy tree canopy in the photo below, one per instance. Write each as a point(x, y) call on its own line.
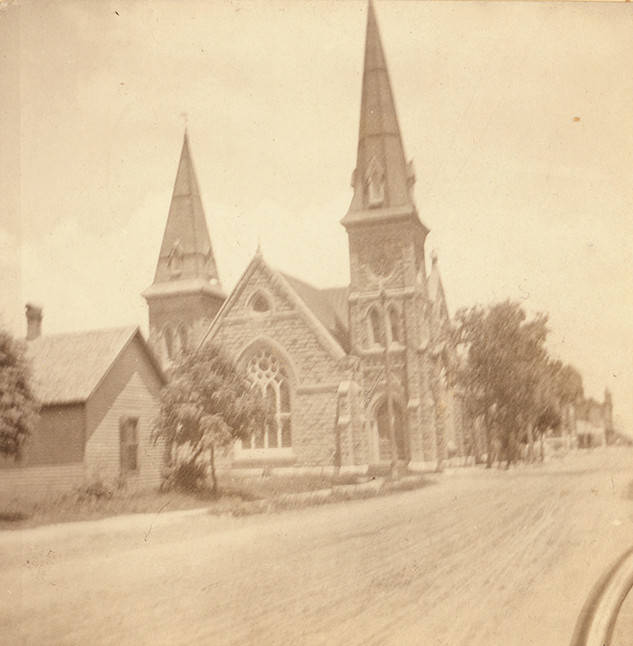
point(207, 404)
point(18, 407)
point(505, 372)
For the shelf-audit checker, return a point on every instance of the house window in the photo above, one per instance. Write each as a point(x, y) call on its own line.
point(268, 374)
point(259, 303)
point(128, 443)
point(376, 329)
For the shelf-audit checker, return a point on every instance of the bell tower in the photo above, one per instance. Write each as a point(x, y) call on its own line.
point(186, 293)
point(388, 297)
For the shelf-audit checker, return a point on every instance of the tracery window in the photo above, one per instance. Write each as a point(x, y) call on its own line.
point(268, 374)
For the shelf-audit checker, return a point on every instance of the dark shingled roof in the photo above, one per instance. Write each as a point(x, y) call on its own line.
point(328, 305)
point(187, 227)
point(66, 368)
point(380, 150)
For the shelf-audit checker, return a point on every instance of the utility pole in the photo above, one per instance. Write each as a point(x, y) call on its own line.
point(387, 358)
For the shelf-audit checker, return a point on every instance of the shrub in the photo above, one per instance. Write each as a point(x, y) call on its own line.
point(184, 476)
point(94, 490)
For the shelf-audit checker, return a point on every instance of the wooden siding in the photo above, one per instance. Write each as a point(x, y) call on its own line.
point(130, 389)
point(58, 438)
point(40, 481)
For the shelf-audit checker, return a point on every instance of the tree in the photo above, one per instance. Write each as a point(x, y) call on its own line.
point(207, 405)
point(502, 373)
point(18, 406)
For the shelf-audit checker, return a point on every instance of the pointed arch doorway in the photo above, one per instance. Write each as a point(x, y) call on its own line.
point(380, 427)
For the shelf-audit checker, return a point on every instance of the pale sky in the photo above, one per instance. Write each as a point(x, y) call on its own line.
point(518, 116)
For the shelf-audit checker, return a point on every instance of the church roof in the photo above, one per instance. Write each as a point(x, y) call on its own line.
point(328, 305)
point(186, 232)
point(339, 300)
point(67, 368)
point(380, 150)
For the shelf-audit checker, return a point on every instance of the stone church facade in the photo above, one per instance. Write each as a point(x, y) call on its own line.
point(358, 375)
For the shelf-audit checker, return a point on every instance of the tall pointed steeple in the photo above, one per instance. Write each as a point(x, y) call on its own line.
point(186, 293)
point(389, 313)
point(382, 180)
point(186, 251)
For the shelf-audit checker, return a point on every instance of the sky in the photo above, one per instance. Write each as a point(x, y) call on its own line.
point(518, 117)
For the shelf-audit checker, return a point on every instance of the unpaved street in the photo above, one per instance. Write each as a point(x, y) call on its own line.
point(478, 557)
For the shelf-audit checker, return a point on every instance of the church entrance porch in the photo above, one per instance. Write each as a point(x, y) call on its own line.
point(380, 432)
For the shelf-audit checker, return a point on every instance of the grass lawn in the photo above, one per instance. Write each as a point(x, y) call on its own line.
point(236, 496)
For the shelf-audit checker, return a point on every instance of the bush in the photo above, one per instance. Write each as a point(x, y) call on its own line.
point(185, 476)
point(95, 490)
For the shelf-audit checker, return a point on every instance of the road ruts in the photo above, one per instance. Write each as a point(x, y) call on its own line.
point(476, 558)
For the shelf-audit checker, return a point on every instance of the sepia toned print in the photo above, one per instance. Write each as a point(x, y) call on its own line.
point(265, 379)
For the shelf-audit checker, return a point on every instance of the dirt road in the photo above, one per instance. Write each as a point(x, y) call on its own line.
point(476, 558)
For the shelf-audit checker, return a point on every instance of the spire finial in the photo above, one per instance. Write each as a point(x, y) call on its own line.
point(185, 119)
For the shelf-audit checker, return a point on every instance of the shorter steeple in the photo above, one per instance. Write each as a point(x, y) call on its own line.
point(186, 250)
point(382, 180)
point(186, 293)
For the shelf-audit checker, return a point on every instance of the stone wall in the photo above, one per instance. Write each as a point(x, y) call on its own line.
point(299, 342)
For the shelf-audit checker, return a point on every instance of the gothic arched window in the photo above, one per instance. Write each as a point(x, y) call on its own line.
point(183, 337)
point(168, 338)
point(375, 327)
point(394, 324)
point(375, 183)
point(268, 374)
point(174, 261)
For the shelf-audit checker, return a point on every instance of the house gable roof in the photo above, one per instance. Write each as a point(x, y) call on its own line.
point(67, 368)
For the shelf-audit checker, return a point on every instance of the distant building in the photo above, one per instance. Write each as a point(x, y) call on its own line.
point(336, 364)
point(594, 421)
point(99, 393)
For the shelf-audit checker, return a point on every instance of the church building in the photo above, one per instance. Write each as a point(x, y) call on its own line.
point(358, 375)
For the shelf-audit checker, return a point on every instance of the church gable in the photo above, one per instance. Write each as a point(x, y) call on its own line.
point(263, 305)
point(287, 352)
point(260, 295)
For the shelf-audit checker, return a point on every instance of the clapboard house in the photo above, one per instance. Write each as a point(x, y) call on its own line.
point(99, 393)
